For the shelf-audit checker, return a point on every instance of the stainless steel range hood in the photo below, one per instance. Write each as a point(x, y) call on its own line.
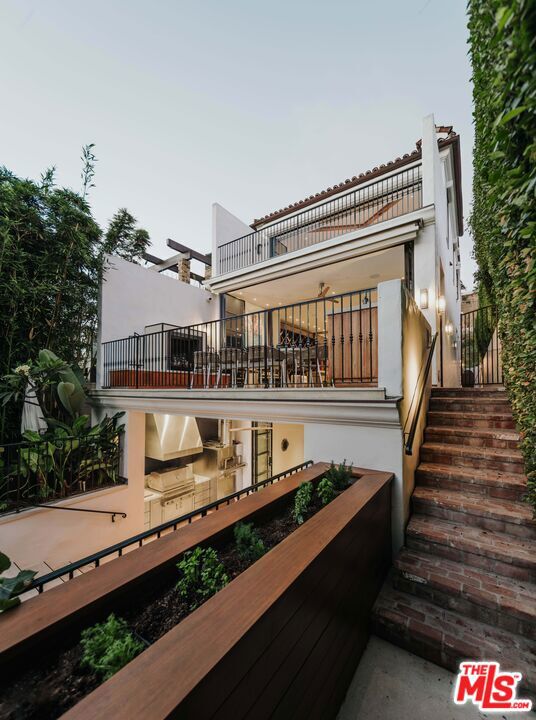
point(171, 436)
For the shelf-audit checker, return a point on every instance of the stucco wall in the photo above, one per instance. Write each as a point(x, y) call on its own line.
point(57, 537)
point(294, 455)
point(377, 448)
point(133, 296)
point(434, 251)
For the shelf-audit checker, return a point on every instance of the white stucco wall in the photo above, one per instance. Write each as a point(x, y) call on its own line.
point(294, 455)
point(376, 448)
point(225, 227)
point(57, 537)
point(434, 250)
point(133, 296)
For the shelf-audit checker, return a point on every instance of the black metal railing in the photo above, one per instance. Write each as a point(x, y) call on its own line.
point(68, 571)
point(419, 393)
point(481, 362)
point(34, 473)
point(328, 341)
point(382, 200)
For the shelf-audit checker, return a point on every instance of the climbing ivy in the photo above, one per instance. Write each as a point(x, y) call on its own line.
point(502, 42)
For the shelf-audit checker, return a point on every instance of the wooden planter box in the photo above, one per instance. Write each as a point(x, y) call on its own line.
point(281, 640)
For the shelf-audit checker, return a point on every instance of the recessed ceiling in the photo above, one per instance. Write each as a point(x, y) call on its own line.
point(355, 274)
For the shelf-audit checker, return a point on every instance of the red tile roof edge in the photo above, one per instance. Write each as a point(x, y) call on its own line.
point(358, 180)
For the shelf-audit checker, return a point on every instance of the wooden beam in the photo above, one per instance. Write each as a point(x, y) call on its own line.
point(205, 259)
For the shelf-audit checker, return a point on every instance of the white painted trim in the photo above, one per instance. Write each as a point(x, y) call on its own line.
point(350, 245)
point(311, 408)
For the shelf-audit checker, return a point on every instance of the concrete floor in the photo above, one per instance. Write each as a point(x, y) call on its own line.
point(392, 684)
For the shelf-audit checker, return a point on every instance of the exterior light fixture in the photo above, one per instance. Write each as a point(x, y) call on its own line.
point(441, 304)
point(449, 328)
point(423, 299)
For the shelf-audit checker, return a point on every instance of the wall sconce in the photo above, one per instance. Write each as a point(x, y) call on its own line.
point(449, 328)
point(423, 299)
point(441, 304)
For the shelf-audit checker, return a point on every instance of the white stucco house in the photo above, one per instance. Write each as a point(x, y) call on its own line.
point(307, 340)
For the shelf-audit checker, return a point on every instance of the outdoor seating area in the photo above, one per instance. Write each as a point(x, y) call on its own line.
point(325, 342)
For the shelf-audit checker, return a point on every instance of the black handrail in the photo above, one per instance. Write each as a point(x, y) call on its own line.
point(415, 420)
point(113, 513)
point(94, 559)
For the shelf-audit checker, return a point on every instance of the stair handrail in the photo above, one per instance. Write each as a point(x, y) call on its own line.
point(413, 428)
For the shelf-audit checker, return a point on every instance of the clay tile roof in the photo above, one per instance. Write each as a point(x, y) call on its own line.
point(348, 183)
point(357, 180)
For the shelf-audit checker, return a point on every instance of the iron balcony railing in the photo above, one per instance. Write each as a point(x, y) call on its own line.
point(68, 571)
point(382, 200)
point(328, 341)
point(35, 473)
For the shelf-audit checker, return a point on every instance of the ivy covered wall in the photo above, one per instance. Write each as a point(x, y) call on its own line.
point(503, 52)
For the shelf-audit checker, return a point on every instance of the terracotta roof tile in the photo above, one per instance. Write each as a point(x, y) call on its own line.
point(352, 182)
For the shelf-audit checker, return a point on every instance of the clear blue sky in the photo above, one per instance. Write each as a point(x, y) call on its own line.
point(250, 104)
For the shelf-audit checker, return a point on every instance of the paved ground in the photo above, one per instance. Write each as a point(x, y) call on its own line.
point(392, 684)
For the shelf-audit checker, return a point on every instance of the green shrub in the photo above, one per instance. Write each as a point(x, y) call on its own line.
point(249, 545)
point(12, 587)
point(325, 490)
point(302, 502)
point(502, 223)
point(203, 575)
point(339, 475)
point(109, 646)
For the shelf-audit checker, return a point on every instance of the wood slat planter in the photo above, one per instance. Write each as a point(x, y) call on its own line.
point(281, 640)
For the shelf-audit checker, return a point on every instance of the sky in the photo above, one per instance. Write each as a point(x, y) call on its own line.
point(250, 104)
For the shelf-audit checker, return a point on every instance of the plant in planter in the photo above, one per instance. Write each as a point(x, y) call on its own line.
point(339, 475)
point(203, 575)
point(249, 545)
point(11, 588)
point(302, 502)
point(109, 646)
point(326, 490)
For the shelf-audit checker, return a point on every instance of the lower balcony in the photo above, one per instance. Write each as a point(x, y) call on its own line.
point(331, 341)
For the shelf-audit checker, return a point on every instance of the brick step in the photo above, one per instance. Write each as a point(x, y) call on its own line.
point(446, 637)
point(502, 420)
point(465, 455)
point(486, 483)
point(495, 515)
point(477, 437)
point(495, 552)
point(461, 404)
point(498, 392)
point(493, 599)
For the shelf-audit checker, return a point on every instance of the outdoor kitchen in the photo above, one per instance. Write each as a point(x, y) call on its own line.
point(189, 462)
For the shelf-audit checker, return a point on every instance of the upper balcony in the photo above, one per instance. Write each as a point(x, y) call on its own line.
point(389, 197)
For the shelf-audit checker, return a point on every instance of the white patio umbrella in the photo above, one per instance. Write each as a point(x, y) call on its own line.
point(32, 414)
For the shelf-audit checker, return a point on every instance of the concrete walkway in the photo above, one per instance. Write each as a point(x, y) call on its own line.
point(392, 684)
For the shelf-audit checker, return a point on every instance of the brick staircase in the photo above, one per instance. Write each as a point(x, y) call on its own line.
point(464, 587)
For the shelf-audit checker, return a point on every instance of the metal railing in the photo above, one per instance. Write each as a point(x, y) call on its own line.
point(481, 362)
point(34, 473)
point(382, 200)
point(68, 571)
point(329, 341)
point(418, 396)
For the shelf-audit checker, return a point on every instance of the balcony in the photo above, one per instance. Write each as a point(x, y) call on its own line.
point(326, 342)
point(377, 202)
